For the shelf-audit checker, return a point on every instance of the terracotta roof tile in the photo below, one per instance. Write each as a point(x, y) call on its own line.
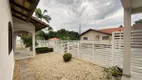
point(110, 30)
point(94, 30)
point(54, 39)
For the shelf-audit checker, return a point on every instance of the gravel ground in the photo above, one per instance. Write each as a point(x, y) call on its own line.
point(51, 66)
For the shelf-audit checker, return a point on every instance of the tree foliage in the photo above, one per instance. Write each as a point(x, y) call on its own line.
point(27, 41)
point(41, 35)
point(138, 21)
point(61, 34)
point(41, 15)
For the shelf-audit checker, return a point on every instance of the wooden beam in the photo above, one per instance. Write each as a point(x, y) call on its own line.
point(33, 7)
point(18, 17)
point(18, 12)
point(20, 6)
point(30, 1)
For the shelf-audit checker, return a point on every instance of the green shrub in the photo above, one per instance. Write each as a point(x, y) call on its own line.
point(67, 57)
point(114, 71)
point(44, 50)
point(50, 49)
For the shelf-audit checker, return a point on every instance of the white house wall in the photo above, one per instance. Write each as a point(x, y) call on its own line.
point(92, 37)
point(6, 61)
point(20, 25)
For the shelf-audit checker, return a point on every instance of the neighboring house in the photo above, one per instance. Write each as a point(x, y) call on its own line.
point(16, 16)
point(104, 35)
point(96, 35)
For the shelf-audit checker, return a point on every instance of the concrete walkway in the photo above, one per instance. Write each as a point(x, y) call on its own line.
point(23, 70)
point(23, 54)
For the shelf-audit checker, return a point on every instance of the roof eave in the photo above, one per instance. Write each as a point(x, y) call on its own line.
point(94, 30)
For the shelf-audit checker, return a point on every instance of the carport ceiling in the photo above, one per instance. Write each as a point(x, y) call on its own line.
point(134, 5)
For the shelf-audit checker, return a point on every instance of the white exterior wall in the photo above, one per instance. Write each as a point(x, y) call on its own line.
point(6, 61)
point(92, 37)
point(20, 25)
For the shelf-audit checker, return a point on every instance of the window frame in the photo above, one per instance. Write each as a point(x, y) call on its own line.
point(85, 38)
point(104, 38)
point(10, 37)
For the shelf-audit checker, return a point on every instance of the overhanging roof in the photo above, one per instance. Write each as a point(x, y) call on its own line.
point(134, 5)
point(38, 23)
point(23, 9)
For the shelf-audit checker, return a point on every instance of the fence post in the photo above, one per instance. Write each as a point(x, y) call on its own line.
point(112, 49)
point(120, 41)
point(78, 49)
point(68, 47)
point(65, 47)
point(93, 43)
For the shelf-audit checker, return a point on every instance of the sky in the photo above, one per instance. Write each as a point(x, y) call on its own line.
point(94, 14)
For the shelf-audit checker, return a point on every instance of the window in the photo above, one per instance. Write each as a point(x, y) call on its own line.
point(85, 38)
point(97, 37)
point(10, 37)
point(105, 37)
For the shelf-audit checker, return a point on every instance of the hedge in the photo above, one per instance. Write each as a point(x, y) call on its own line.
point(43, 50)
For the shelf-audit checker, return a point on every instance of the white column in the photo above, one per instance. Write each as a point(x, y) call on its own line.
point(127, 44)
point(33, 43)
point(113, 59)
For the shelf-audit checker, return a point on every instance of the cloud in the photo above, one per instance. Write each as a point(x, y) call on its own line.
point(97, 14)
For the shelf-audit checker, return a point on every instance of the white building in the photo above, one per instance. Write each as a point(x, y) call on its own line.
point(16, 16)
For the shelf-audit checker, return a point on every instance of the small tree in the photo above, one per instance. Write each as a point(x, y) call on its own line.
point(27, 40)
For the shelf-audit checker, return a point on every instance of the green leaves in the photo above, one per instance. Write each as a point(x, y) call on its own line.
point(41, 35)
point(47, 18)
point(138, 21)
point(61, 34)
point(67, 57)
point(50, 29)
point(27, 40)
point(114, 71)
point(40, 14)
point(44, 11)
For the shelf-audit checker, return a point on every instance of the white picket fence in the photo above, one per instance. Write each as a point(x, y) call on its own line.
point(105, 55)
